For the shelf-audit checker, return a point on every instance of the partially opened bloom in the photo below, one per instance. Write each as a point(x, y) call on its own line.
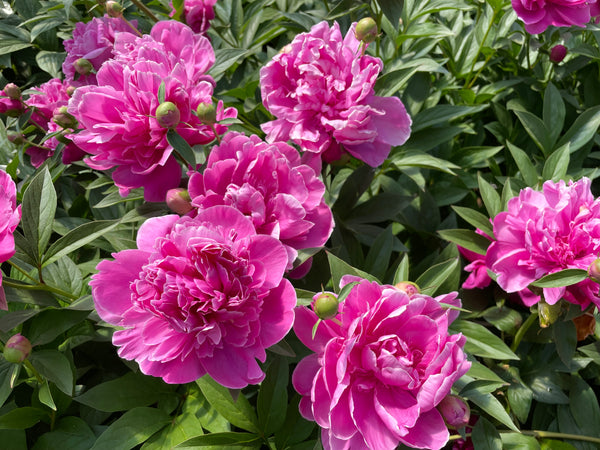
point(198, 14)
point(380, 368)
point(118, 117)
point(269, 184)
point(10, 218)
point(320, 88)
point(199, 295)
point(546, 232)
point(540, 14)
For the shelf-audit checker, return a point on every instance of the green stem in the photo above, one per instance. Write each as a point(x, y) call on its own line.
point(35, 373)
point(39, 287)
point(522, 330)
point(145, 9)
point(539, 434)
point(22, 271)
point(487, 32)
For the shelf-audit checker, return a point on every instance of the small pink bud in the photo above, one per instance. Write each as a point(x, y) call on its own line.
point(207, 113)
point(12, 91)
point(17, 349)
point(82, 66)
point(409, 287)
point(366, 30)
point(455, 411)
point(179, 201)
point(114, 9)
point(168, 115)
point(70, 90)
point(62, 118)
point(325, 305)
point(558, 53)
point(594, 271)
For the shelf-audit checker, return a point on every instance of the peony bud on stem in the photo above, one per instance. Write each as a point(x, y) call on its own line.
point(325, 305)
point(455, 411)
point(168, 115)
point(17, 349)
point(179, 201)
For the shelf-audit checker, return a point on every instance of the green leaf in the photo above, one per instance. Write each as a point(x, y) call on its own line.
point(384, 206)
point(467, 239)
point(475, 218)
point(224, 59)
point(503, 318)
point(557, 164)
point(353, 187)
point(183, 427)
point(442, 114)
point(485, 436)
point(7, 371)
point(392, 9)
point(481, 387)
point(553, 444)
point(50, 62)
point(378, 258)
point(554, 113)
point(55, 366)
point(45, 396)
point(22, 418)
point(12, 45)
point(423, 160)
point(434, 277)
point(39, 206)
point(271, 403)
point(70, 433)
point(227, 439)
point(518, 441)
point(519, 398)
point(482, 342)
point(480, 372)
point(181, 147)
point(45, 25)
point(493, 407)
point(491, 198)
point(402, 271)
point(536, 129)
point(238, 412)
point(340, 268)
point(587, 417)
point(583, 129)
point(129, 391)
point(50, 323)
point(526, 167)
point(131, 429)
point(565, 338)
point(565, 277)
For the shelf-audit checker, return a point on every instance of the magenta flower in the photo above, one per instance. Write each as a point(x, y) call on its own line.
point(268, 184)
point(11, 216)
point(320, 89)
point(380, 368)
point(540, 14)
point(478, 275)
point(92, 41)
point(197, 14)
point(199, 295)
point(118, 116)
point(545, 232)
point(11, 103)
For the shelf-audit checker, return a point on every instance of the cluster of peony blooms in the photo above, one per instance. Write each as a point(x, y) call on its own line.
point(540, 14)
point(11, 216)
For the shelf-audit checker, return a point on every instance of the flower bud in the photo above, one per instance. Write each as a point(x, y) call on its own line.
point(548, 313)
point(409, 287)
point(594, 270)
point(325, 305)
point(15, 138)
point(12, 91)
point(167, 115)
point(70, 90)
point(17, 349)
point(558, 53)
point(366, 30)
point(179, 201)
point(455, 411)
point(82, 66)
point(114, 9)
point(207, 113)
point(62, 118)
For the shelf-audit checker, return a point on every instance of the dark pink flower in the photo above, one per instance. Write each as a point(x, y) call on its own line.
point(11, 104)
point(478, 275)
point(380, 368)
point(270, 185)
point(92, 41)
point(320, 89)
point(199, 295)
point(197, 14)
point(540, 14)
point(11, 216)
point(546, 232)
point(118, 116)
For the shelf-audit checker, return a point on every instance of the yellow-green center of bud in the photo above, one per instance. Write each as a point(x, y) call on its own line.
point(326, 306)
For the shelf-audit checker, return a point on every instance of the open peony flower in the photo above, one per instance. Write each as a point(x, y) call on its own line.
point(121, 129)
point(546, 232)
point(199, 295)
point(268, 183)
point(92, 41)
point(380, 368)
point(11, 216)
point(540, 14)
point(320, 89)
point(197, 14)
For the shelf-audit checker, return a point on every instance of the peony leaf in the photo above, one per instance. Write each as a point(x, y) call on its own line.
point(565, 337)
point(70, 433)
point(583, 129)
point(485, 436)
point(54, 366)
point(21, 418)
point(481, 341)
point(554, 113)
point(432, 278)
point(181, 146)
point(402, 271)
point(493, 407)
point(340, 268)
point(226, 439)
point(271, 402)
point(467, 239)
point(378, 258)
point(518, 441)
point(565, 277)
point(45, 396)
point(557, 164)
point(536, 129)
point(490, 197)
point(526, 167)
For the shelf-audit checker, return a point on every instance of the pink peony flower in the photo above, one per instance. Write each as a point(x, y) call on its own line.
point(545, 232)
point(540, 14)
point(478, 275)
point(380, 368)
point(118, 116)
point(199, 295)
point(11, 216)
point(269, 184)
point(320, 89)
point(11, 103)
point(92, 41)
point(197, 14)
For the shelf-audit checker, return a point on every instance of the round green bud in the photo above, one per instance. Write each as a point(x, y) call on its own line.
point(366, 30)
point(325, 305)
point(17, 349)
point(168, 115)
point(207, 113)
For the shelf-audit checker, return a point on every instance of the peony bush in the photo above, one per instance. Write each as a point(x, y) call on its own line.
point(299, 225)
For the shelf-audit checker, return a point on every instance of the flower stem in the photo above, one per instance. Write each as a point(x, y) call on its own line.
point(39, 287)
point(523, 329)
point(145, 9)
point(539, 434)
point(468, 82)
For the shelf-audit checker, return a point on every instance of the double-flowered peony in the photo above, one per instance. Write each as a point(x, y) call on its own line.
point(546, 232)
point(540, 14)
point(380, 368)
point(11, 216)
point(270, 185)
point(320, 88)
point(119, 117)
point(199, 295)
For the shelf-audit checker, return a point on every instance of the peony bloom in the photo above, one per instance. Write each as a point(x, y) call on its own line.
point(320, 89)
point(199, 295)
point(546, 232)
point(11, 216)
point(11, 103)
point(197, 14)
point(380, 368)
point(478, 275)
point(269, 184)
point(540, 14)
point(92, 41)
point(118, 116)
